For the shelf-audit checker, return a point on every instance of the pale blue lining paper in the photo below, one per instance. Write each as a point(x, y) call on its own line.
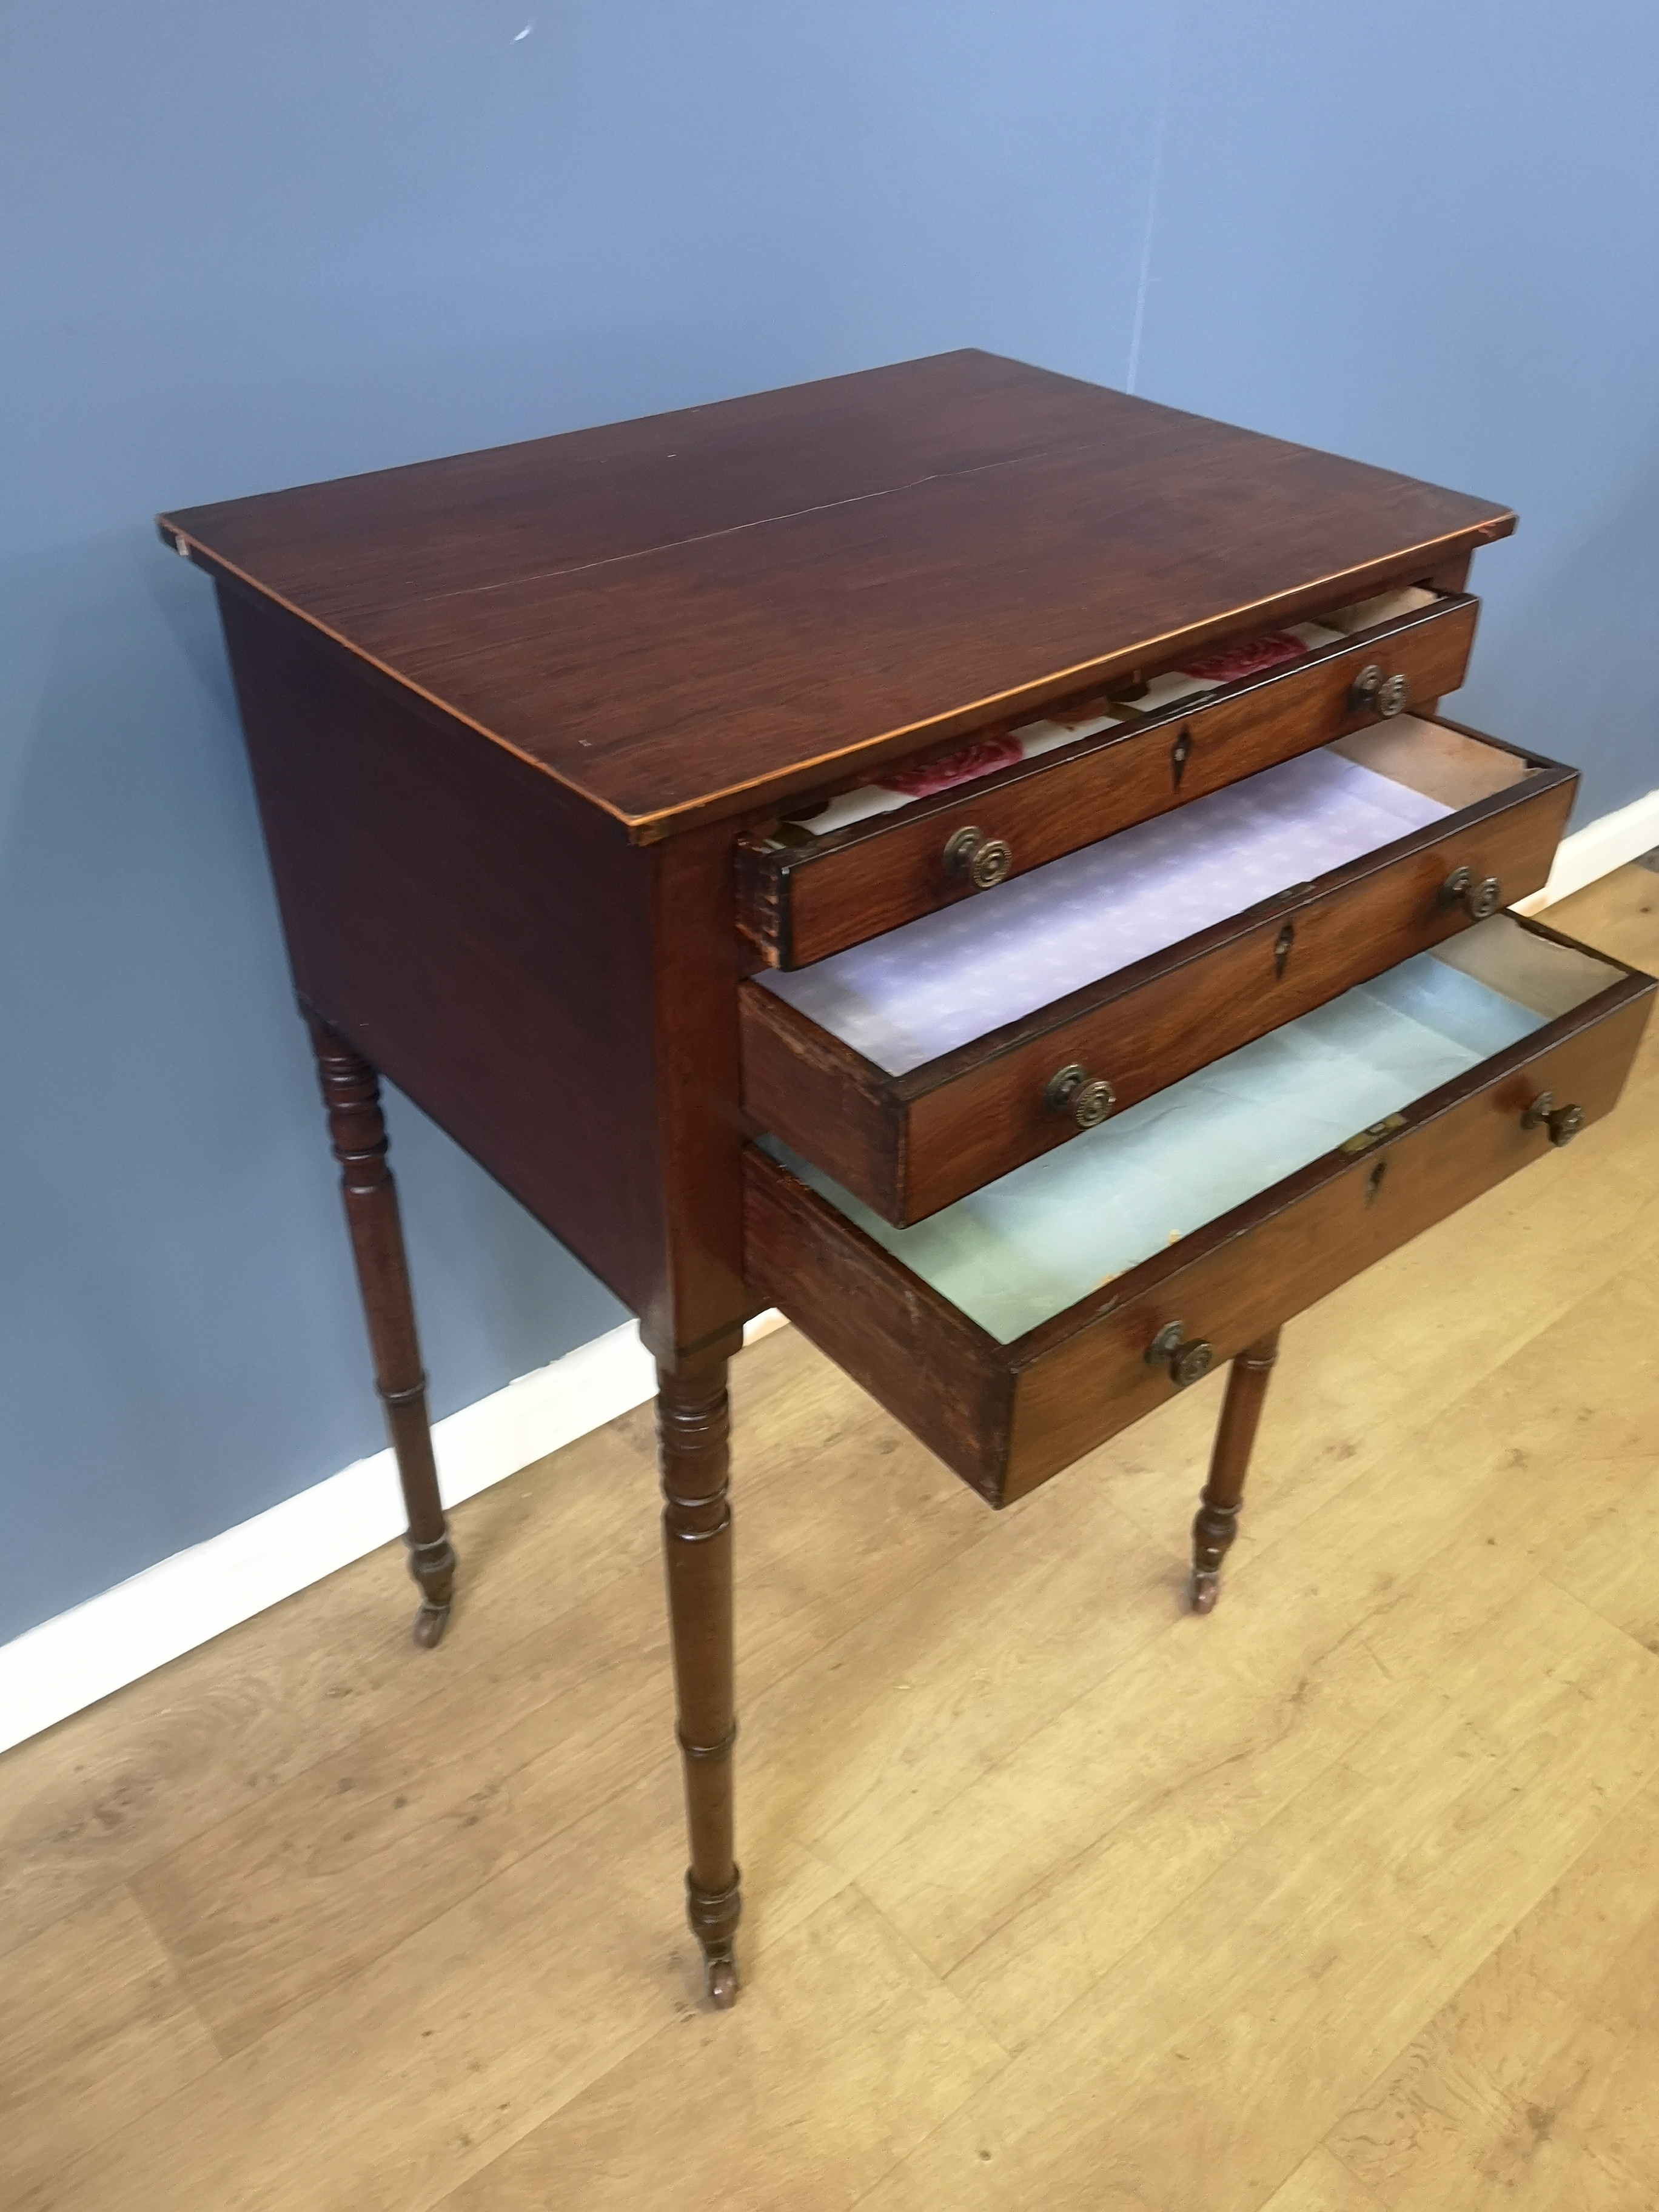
point(1044, 1236)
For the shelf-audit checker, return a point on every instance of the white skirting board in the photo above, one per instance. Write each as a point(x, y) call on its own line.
point(83, 1654)
point(80, 1655)
point(1609, 842)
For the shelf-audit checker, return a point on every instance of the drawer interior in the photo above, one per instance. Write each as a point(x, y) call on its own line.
point(1023, 1249)
point(967, 762)
point(938, 982)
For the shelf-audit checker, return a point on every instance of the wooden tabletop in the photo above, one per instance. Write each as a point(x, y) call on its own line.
point(699, 613)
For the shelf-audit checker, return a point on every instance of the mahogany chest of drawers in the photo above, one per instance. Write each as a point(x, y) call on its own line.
point(965, 857)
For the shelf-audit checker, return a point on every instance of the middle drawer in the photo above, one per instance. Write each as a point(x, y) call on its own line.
point(921, 1065)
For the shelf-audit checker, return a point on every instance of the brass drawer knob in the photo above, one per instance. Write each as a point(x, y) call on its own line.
point(972, 857)
point(1563, 1123)
point(1087, 1098)
point(1183, 1361)
point(1477, 898)
point(1371, 692)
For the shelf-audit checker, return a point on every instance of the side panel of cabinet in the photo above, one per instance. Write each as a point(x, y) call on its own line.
point(560, 1002)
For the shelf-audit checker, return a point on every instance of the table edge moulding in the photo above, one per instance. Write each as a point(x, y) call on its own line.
point(538, 734)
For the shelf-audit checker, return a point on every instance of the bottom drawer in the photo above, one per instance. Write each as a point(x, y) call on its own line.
point(1020, 1328)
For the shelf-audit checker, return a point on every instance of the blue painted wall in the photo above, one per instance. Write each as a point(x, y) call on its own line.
point(256, 245)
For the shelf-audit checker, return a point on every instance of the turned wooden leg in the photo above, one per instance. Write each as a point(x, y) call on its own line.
point(692, 1428)
point(1217, 1522)
point(351, 1093)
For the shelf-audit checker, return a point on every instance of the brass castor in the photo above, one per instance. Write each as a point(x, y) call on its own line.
point(712, 1916)
point(432, 1566)
point(1205, 1589)
point(430, 1623)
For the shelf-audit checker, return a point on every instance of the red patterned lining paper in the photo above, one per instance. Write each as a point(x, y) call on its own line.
point(1229, 662)
point(921, 778)
point(979, 756)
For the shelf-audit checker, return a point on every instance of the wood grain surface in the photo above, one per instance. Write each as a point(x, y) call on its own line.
point(1008, 1416)
point(911, 1143)
point(693, 613)
point(802, 902)
point(1342, 1899)
point(562, 1002)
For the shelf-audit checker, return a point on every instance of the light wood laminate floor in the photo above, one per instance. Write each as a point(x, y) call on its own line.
point(1346, 1897)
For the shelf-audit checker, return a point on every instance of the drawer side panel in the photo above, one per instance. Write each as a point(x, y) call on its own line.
point(928, 1365)
point(825, 1101)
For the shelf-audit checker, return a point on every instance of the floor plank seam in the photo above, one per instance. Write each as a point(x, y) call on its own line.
point(1614, 1808)
point(1155, 1634)
point(1055, 1876)
point(181, 1970)
point(1337, 2159)
point(1594, 1613)
point(1433, 1429)
point(82, 1899)
point(940, 1981)
point(913, 2150)
point(88, 2135)
point(454, 1895)
point(1355, 1630)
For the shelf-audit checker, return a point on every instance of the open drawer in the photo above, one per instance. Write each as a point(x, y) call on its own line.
point(918, 1066)
point(867, 860)
point(1022, 1326)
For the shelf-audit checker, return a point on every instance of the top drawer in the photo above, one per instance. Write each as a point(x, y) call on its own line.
point(799, 901)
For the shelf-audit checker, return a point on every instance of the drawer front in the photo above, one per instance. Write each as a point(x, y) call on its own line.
point(798, 904)
point(908, 1145)
point(1006, 1417)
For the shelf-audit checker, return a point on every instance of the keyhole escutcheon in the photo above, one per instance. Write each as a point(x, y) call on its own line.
point(1282, 944)
point(1180, 753)
point(1374, 1180)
